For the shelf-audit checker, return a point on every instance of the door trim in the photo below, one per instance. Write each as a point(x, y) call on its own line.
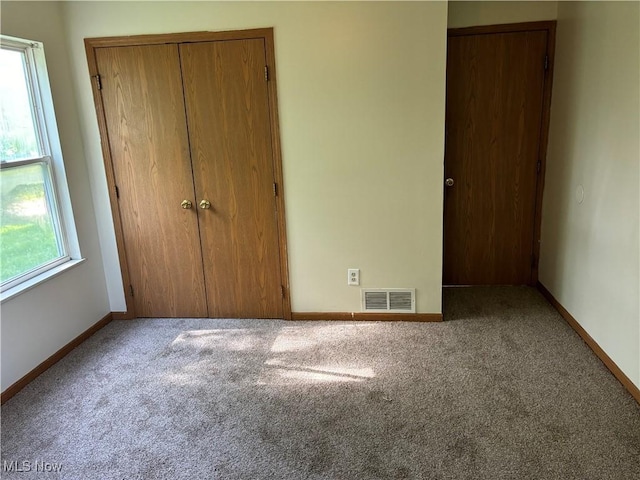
point(266, 34)
point(550, 28)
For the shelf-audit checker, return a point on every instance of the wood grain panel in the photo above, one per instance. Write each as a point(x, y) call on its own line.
point(546, 25)
point(544, 140)
point(111, 182)
point(230, 136)
point(184, 37)
point(277, 169)
point(495, 86)
point(145, 119)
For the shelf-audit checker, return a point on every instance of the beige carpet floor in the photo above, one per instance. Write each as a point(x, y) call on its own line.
point(503, 389)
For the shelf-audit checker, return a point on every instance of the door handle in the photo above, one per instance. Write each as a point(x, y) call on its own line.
point(186, 204)
point(449, 182)
point(205, 204)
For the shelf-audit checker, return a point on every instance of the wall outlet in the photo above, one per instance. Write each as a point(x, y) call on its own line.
point(353, 276)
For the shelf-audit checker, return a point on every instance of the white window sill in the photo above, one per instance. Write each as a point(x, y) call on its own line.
point(35, 281)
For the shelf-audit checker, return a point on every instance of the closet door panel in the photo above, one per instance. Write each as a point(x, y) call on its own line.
point(145, 116)
point(229, 129)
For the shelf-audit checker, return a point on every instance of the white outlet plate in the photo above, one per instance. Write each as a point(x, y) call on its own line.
point(353, 276)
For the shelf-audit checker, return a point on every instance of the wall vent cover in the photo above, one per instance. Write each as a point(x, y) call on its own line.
point(390, 300)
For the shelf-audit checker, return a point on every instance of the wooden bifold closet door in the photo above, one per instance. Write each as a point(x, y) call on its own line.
point(228, 117)
point(190, 143)
point(144, 112)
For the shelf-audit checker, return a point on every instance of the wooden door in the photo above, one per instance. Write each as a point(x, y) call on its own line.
point(494, 120)
point(229, 130)
point(145, 119)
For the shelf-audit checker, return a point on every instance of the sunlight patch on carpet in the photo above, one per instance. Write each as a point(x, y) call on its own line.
point(280, 372)
point(223, 339)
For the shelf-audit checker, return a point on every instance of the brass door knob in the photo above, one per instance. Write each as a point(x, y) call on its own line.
point(186, 204)
point(204, 204)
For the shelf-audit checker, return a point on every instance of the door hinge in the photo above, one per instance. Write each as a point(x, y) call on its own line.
point(538, 166)
point(546, 62)
point(98, 82)
point(275, 189)
point(117, 192)
point(131, 290)
point(282, 290)
point(266, 73)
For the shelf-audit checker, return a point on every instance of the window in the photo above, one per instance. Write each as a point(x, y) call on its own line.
point(33, 239)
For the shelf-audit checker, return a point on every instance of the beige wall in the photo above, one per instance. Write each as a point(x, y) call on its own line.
point(40, 321)
point(590, 250)
point(468, 14)
point(361, 98)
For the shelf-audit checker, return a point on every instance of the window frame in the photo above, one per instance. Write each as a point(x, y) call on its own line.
point(50, 156)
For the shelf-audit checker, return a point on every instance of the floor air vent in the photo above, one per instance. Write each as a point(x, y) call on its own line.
point(393, 300)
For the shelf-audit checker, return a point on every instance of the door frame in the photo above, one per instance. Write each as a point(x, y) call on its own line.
point(550, 28)
point(266, 34)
